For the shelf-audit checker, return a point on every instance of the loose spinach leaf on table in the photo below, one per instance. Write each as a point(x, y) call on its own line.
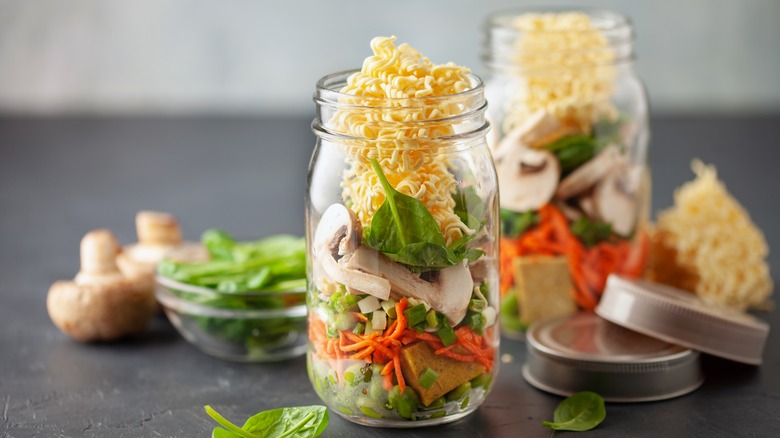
point(300, 422)
point(580, 412)
point(405, 231)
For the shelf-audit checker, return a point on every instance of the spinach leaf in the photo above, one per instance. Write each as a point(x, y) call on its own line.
point(226, 424)
point(303, 422)
point(574, 150)
point(580, 412)
point(469, 207)
point(591, 232)
point(275, 263)
point(401, 220)
point(513, 224)
point(405, 231)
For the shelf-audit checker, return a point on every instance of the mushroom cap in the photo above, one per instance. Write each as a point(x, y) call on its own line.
point(100, 312)
point(527, 178)
point(615, 201)
point(339, 231)
point(157, 228)
point(455, 284)
point(336, 238)
point(539, 128)
point(587, 175)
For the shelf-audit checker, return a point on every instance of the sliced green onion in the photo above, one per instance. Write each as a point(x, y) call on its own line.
point(428, 378)
point(477, 323)
point(446, 334)
point(477, 305)
point(431, 319)
point(415, 315)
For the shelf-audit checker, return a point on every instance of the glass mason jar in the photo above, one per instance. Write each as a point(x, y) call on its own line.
point(402, 232)
point(570, 145)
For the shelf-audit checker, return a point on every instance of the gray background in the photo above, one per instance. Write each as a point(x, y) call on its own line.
point(263, 57)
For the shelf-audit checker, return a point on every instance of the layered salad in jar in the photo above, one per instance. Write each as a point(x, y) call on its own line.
point(569, 146)
point(403, 290)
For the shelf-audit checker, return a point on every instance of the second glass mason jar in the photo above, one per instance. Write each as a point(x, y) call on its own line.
point(403, 248)
point(570, 144)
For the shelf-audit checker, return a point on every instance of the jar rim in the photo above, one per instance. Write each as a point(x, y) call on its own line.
point(390, 113)
point(501, 36)
point(608, 20)
point(326, 92)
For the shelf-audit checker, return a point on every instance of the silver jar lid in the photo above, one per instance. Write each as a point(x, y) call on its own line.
point(682, 318)
point(588, 353)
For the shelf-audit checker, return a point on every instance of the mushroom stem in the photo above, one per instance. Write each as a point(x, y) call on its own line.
point(99, 249)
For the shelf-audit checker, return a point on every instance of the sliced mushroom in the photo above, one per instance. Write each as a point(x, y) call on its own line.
point(528, 178)
point(614, 199)
point(449, 293)
point(337, 237)
point(540, 127)
point(587, 175)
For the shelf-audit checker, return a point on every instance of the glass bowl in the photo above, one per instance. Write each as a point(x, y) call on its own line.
point(252, 326)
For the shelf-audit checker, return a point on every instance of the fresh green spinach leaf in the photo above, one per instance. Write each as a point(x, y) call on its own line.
point(513, 224)
point(405, 231)
point(591, 232)
point(301, 422)
point(580, 412)
point(574, 150)
point(469, 207)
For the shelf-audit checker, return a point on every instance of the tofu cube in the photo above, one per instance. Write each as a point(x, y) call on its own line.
point(415, 358)
point(544, 288)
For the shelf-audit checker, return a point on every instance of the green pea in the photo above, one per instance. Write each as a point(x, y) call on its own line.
point(459, 392)
point(344, 410)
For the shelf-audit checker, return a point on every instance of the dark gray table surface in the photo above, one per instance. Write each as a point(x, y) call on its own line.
point(59, 178)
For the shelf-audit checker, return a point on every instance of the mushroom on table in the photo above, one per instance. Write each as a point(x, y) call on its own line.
point(100, 304)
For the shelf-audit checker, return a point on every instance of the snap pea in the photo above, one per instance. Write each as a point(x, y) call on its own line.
point(368, 412)
point(405, 404)
point(459, 392)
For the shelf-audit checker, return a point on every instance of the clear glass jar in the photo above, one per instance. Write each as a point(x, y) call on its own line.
point(570, 145)
point(430, 257)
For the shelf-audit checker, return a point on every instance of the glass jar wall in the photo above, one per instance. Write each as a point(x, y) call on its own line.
point(402, 225)
point(569, 143)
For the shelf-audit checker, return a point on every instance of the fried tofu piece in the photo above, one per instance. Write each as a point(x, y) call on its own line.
point(544, 288)
point(452, 373)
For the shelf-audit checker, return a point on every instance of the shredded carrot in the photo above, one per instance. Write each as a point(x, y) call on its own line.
point(398, 375)
point(589, 267)
point(360, 317)
point(385, 348)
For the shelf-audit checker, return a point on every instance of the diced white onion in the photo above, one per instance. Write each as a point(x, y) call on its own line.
point(368, 304)
point(490, 316)
point(379, 320)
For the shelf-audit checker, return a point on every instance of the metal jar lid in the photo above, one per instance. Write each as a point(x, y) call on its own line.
point(588, 353)
point(680, 317)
